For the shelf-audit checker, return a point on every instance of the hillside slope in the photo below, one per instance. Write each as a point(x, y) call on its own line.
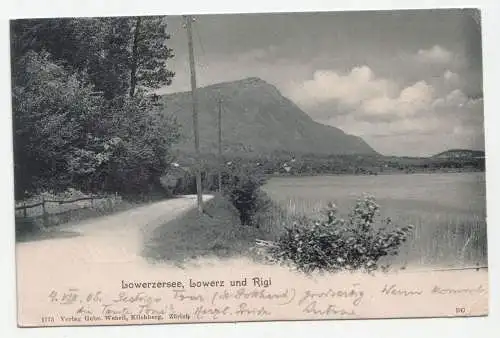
point(460, 154)
point(257, 118)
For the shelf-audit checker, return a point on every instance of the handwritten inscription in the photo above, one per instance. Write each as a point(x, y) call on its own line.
point(250, 298)
point(326, 310)
point(354, 293)
point(394, 290)
point(452, 291)
point(281, 297)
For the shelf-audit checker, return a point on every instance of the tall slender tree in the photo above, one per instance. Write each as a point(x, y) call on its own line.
point(150, 54)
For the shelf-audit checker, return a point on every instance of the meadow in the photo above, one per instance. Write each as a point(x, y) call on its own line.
point(448, 211)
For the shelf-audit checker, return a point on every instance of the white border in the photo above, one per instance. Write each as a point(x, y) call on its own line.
point(471, 327)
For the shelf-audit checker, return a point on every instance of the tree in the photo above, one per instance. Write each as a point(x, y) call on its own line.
point(149, 54)
point(54, 114)
point(119, 55)
point(83, 115)
point(143, 137)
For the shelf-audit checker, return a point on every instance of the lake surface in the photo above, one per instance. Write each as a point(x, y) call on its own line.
point(452, 192)
point(448, 210)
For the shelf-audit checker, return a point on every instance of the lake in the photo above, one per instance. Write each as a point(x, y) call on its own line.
point(447, 209)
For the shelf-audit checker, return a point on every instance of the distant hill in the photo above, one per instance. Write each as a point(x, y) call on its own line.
point(460, 154)
point(256, 118)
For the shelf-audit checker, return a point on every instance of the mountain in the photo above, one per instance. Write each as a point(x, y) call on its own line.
point(460, 154)
point(256, 118)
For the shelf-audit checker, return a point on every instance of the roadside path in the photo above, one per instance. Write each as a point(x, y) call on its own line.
point(109, 239)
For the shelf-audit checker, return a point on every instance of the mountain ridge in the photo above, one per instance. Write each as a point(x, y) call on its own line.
point(459, 153)
point(256, 117)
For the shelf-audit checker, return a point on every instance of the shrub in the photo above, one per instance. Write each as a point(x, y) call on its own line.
point(334, 244)
point(241, 184)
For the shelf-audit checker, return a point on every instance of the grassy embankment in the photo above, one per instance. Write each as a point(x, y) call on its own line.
point(217, 232)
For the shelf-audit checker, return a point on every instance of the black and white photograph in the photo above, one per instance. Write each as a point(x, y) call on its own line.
point(249, 167)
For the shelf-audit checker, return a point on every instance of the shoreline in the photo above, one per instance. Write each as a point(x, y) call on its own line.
point(377, 174)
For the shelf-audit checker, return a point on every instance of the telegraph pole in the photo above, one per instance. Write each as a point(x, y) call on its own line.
point(189, 20)
point(219, 101)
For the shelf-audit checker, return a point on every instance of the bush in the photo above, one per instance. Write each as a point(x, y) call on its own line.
point(241, 184)
point(334, 244)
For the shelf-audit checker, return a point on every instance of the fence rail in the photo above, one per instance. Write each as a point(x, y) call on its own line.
point(44, 202)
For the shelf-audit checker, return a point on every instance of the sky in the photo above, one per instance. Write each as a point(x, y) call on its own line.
point(407, 82)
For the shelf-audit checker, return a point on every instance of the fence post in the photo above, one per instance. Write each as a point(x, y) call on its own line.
point(44, 217)
point(91, 200)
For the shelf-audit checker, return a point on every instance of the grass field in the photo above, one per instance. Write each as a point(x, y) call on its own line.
point(447, 210)
point(217, 233)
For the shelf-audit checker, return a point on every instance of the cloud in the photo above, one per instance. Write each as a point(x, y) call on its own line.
point(350, 90)
point(454, 99)
point(436, 54)
point(460, 106)
point(384, 107)
point(363, 94)
point(416, 125)
point(421, 134)
point(410, 101)
point(426, 114)
point(451, 79)
point(417, 110)
point(417, 96)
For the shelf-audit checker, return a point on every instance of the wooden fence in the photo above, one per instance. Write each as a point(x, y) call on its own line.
point(24, 207)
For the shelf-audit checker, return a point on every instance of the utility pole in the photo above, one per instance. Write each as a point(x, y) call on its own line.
point(189, 20)
point(219, 101)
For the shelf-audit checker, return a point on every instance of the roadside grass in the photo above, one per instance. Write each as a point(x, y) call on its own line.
point(441, 238)
point(217, 233)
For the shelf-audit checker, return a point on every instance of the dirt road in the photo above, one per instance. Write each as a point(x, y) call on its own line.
point(110, 239)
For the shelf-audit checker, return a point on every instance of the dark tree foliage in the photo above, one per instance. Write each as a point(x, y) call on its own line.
point(142, 139)
point(117, 54)
point(83, 115)
point(53, 119)
point(149, 54)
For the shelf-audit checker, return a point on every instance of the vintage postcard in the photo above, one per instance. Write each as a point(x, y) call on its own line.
point(249, 167)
